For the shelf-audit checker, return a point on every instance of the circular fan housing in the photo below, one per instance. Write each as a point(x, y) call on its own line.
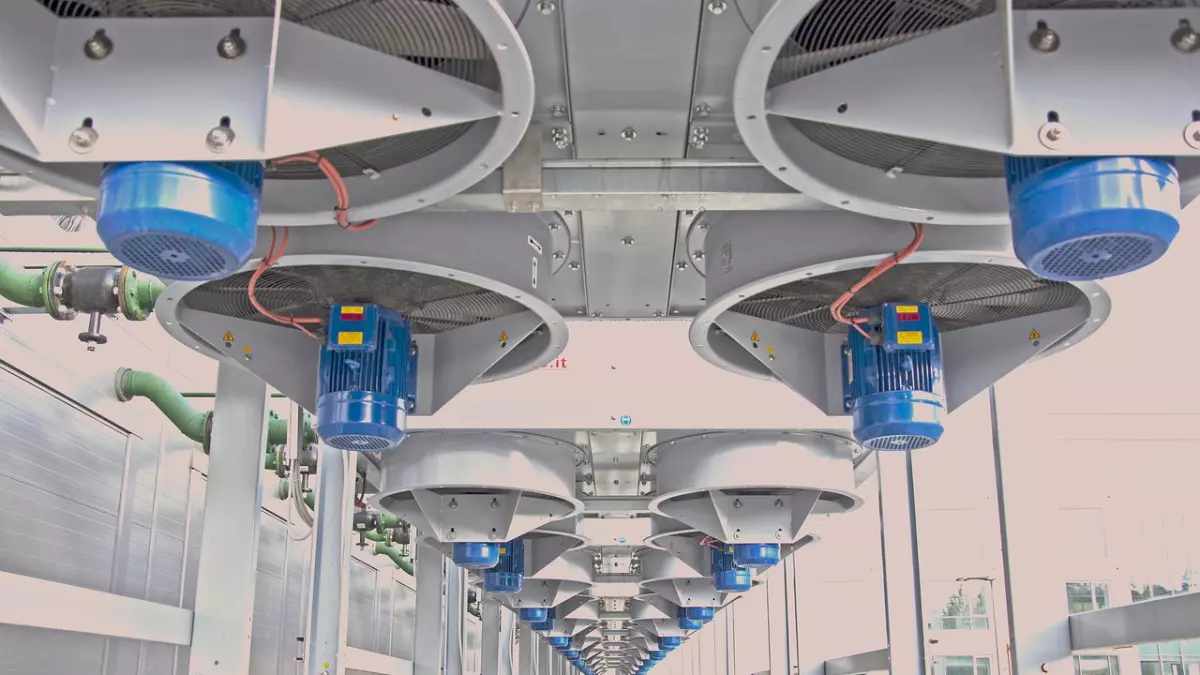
point(462, 282)
point(455, 73)
point(880, 174)
point(1092, 218)
point(180, 221)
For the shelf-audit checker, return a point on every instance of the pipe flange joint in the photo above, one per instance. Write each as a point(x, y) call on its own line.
point(208, 427)
point(119, 385)
point(127, 295)
point(54, 278)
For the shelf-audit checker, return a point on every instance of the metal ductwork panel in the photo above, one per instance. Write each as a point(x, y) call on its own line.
point(411, 101)
point(861, 103)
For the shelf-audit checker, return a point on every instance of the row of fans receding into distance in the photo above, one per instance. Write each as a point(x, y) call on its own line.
point(1073, 220)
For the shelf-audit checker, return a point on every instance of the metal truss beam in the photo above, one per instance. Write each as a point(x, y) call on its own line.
point(856, 664)
point(1175, 617)
point(37, 603)
point(568, 185)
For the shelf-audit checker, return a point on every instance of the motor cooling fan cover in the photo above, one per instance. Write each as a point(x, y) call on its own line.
point(468, 48)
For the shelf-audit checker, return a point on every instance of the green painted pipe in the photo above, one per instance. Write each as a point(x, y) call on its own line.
point(401, 562)
point(24, 287)
point(32, 289)
point(193, 424)
point(389, 522)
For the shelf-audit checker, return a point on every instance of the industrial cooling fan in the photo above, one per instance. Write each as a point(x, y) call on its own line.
point(367, 329)
point(912, 344)
point(975, 112)
point(194, 120)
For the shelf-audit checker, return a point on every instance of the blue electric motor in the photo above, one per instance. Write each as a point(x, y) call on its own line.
point(670, 642)
point(547, 623)
point(534, 614)
point(727, 575)
point(368, 379)
point(756, 555)
point(1080, 219)
point(657, 655)
point(570, 654)
point(509, 570)
point(686, 622)
point(475, 555)
point(893, 382)
point(180, 221)
point(559, 642)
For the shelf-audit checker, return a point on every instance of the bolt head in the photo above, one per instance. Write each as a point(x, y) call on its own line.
point(629, 133)
point(1186, 39)
point(628, 241)
point(559, 255)
point(717, 7)
point(1191, 134)
point(219, 139)
point(558, 111)
point(1054, 135)
point(1044, 40)
point(697, 255)
point(681, 265)
point(546, 7)
point(452, 536)
point(98, 47)
point(231, 46)
point(83, 140)
point(574, 264)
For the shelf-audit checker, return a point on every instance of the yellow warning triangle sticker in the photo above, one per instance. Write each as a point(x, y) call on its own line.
point(1034, 335)
point(228, 337)
point(754, 336)
point(503, 336)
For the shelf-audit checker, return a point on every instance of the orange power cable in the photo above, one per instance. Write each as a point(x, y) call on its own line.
point(268, 260)
point(340, 193)
point(887, 264)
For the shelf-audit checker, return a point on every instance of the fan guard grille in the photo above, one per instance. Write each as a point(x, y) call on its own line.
point(435, 34)
point(433, 304)
point(837, 31)
point(961, 295)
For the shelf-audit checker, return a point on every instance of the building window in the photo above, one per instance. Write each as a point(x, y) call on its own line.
point(1084, 596)
point(1096, 665)
point(962, 665)
point(965, 608)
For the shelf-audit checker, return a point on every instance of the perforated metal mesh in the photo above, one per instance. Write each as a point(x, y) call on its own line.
point(961, 295)
point(837, 31)
point(435, 34)
point(433, 304)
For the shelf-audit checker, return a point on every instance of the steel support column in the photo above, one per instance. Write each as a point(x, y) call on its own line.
point(430, 576)
point(491, 644)
point(1037, 616)
point(527, 650)
point(901, 565)
point(228, 562)
point(331, 557)
point(545, 661)
point(456, 610)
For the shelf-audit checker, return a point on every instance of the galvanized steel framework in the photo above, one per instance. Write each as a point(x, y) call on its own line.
point(631, 187)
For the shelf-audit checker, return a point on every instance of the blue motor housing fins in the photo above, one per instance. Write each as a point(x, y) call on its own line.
point(180, 221)
point(892, 378)
point(1087, 218)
